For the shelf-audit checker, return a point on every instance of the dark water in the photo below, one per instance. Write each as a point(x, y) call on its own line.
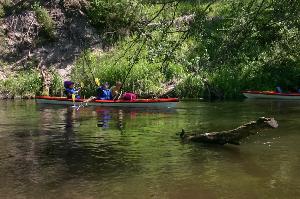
point(58, 152)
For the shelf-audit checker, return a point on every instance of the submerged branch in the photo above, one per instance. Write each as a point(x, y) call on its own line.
point(231, 136)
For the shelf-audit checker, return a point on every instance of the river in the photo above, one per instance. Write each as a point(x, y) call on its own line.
point(59, 152)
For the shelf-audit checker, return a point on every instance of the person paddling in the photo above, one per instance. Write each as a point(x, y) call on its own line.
point(70, 90)
point(116, 90)
point(117, 93)
point(103, 92)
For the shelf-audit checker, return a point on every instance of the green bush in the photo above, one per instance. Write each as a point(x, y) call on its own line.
point(29, 84)
point(56, 87)
point(234, 45)
point(2, 12)
point(145, 77)
point(4, 5)
point(43, 17)
point(115, 17)
point(191, 86)
point(24, 84)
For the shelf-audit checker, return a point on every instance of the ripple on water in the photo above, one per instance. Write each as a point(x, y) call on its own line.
point(56, 152)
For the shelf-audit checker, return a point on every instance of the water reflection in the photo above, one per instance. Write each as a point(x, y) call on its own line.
point(70, 117)
point(96, 152)
point(104, 116)
point(118, 116)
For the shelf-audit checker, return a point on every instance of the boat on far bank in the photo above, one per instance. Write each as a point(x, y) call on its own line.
point(159, 102)
point(270, 95)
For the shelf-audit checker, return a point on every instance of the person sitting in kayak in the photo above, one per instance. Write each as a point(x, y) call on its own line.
point(103, 92)
point(116, 90)
point(70, 90)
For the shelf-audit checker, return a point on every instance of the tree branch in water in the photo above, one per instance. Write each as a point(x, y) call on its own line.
point(231, 136)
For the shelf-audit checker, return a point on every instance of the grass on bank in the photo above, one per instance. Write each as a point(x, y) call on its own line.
point(27, 84)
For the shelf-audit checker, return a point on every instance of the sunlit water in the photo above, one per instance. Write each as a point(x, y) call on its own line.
point(58, 152)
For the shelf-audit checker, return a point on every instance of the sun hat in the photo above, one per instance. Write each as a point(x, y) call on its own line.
point(67, 84)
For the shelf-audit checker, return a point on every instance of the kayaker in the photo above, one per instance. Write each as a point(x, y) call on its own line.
point(70, 90)
point(116, 90)
point(103, 92)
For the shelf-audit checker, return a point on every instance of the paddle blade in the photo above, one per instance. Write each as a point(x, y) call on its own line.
point(73, 97)
point(97, 81)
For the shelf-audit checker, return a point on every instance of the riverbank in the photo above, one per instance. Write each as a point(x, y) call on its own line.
point(202, 50)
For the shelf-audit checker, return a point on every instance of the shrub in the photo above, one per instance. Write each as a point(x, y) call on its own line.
point(47, 23)
point(4, 5)
point(115, 17)
point(25, 84)
point(56, 87)
point(145, 77)
point(191, 86)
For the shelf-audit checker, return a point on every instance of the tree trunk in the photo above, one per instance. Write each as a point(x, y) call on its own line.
point(46, 82)
point(231, 136)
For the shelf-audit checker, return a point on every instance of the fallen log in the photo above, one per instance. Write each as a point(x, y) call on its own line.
point(231, 136)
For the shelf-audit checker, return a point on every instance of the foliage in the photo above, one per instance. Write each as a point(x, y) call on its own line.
point(232, 44)
point(247, 45)
point(2, 12)
point(28, 83)
point(4, 5)
point(115, 17)
point(192, 86)
point(145, 77)
point(43, 17)
point(75, 4)
point(56, 87)
point(235, 45)
point(25, 84)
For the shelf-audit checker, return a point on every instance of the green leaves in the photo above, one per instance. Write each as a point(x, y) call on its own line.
point(23, 84)
point(115, 17)
point(45, 20)
point(236, 45)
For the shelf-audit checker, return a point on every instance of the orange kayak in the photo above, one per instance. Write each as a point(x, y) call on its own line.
point(159, 102)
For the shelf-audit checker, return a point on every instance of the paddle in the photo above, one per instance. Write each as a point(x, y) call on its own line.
point(97, 81)
point(73, 99)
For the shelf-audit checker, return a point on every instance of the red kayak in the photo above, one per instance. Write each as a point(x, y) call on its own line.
point(160, 102)
point(270, 95)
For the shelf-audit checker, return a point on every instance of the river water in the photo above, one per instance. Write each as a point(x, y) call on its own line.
point(59, 152)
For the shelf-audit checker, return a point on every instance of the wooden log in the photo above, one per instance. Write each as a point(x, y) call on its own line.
point(231, 136)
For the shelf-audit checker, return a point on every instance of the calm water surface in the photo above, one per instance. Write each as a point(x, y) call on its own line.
point(58, 152)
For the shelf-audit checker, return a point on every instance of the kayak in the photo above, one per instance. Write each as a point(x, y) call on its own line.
point(271, 95)
point(160, 102)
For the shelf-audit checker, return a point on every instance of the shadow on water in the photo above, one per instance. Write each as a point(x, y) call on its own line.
point(58, 145)
point(96, 152)
point(92, 149)
point(86, 142)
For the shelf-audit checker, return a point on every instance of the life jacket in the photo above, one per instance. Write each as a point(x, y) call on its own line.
point(103, 94)
point(70, 91)
point(129, 96)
